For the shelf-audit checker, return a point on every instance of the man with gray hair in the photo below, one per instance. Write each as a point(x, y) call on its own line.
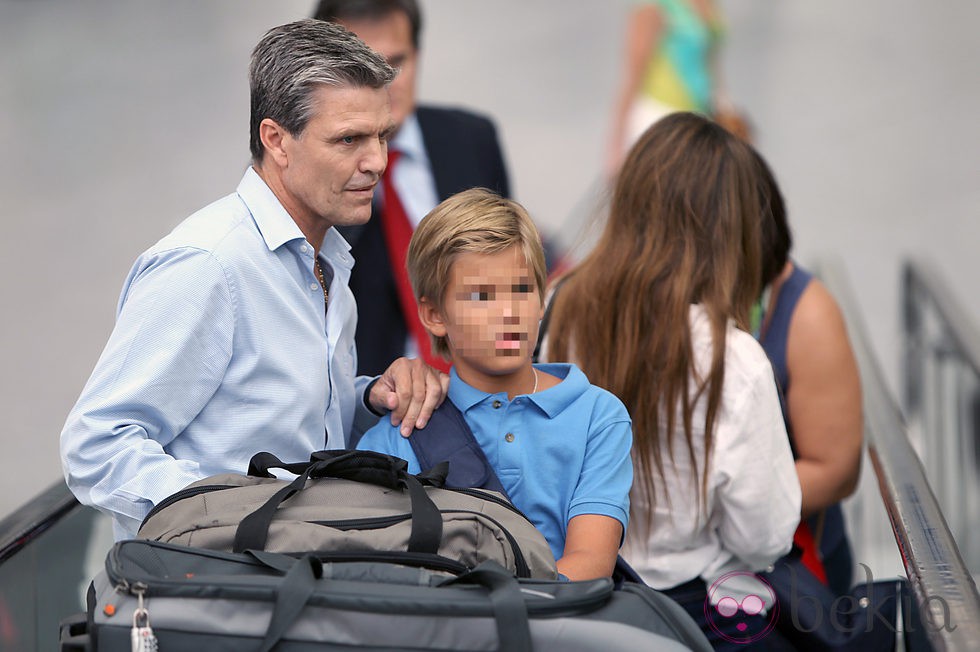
point(235, 333)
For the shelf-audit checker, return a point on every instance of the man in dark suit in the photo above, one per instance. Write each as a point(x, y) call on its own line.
point(435, 153)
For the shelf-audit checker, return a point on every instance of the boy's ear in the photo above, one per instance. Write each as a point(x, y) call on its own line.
point(431, 318)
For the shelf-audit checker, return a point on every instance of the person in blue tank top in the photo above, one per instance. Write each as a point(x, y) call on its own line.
point(802, 330)
point(559, 445)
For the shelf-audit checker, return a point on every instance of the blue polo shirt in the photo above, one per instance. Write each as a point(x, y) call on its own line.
point(559, 453)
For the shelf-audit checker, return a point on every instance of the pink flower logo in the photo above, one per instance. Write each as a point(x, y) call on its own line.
point(727, 601)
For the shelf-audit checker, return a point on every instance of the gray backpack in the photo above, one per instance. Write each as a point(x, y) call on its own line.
point(353, 505)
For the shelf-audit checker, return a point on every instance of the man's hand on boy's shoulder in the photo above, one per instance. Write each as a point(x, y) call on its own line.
point(411, 390)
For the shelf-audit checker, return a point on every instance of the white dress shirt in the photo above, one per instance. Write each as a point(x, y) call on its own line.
point(753, 494)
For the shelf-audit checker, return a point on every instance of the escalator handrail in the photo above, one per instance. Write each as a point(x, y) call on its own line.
point(921, 281)
point(942, 584)
point(34, 517)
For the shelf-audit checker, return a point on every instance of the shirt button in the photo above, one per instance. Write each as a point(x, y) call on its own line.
point(304, 249)
point(314, 286)
point(496, 405)
point(509, 437)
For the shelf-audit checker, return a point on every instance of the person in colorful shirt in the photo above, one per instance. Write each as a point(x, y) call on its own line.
point(671, 50)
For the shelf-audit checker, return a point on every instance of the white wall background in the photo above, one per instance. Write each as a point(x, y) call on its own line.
point(118, 119)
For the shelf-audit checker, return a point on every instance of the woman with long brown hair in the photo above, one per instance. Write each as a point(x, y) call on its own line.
point(657, 313)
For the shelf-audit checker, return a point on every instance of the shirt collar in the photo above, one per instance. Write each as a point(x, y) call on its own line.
point(272, 220)
point(336, 250)
point(278, 227)
point(551, 401)
point(409, 141)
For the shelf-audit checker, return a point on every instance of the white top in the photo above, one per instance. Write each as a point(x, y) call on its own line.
point(753, 495)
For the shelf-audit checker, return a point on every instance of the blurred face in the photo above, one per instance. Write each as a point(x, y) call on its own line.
point(329, 171)
point(490, 316)
point(391, 37)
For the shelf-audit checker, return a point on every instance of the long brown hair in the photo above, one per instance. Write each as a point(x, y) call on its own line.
point(683, 229)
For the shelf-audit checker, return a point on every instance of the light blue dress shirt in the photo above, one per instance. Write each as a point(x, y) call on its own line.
point(559, 453)
point(221, 349)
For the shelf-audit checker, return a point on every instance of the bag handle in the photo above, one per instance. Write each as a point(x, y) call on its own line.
point(546, 318)
point(260, 464)
point(299, 582)
point(292, 594)
point(361, 466)
point(382, 469)
point(509, 608)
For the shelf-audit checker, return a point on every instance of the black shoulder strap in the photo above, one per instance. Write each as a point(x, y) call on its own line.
point(448, 438)
point(543, 328)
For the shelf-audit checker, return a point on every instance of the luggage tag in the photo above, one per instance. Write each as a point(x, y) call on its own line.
point(141, 635)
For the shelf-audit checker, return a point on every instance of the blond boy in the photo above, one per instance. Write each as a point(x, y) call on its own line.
point(560, 446)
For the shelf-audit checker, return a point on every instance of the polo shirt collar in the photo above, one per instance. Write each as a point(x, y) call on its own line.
point(551, 401)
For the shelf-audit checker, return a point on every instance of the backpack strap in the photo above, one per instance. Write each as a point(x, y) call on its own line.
point(448, 438)
point(546, 318)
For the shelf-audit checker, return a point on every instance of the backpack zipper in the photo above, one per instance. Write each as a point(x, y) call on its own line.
point(554, 605)
point(186, 493)
point(414, 559)
point(371, 523)
point(121, 584)
point(485, 494)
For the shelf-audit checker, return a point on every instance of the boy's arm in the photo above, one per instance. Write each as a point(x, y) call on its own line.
point(591, 546)
point(599, 510)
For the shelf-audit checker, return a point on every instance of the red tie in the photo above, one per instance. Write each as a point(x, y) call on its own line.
point(803, 537)
point(398, 232)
